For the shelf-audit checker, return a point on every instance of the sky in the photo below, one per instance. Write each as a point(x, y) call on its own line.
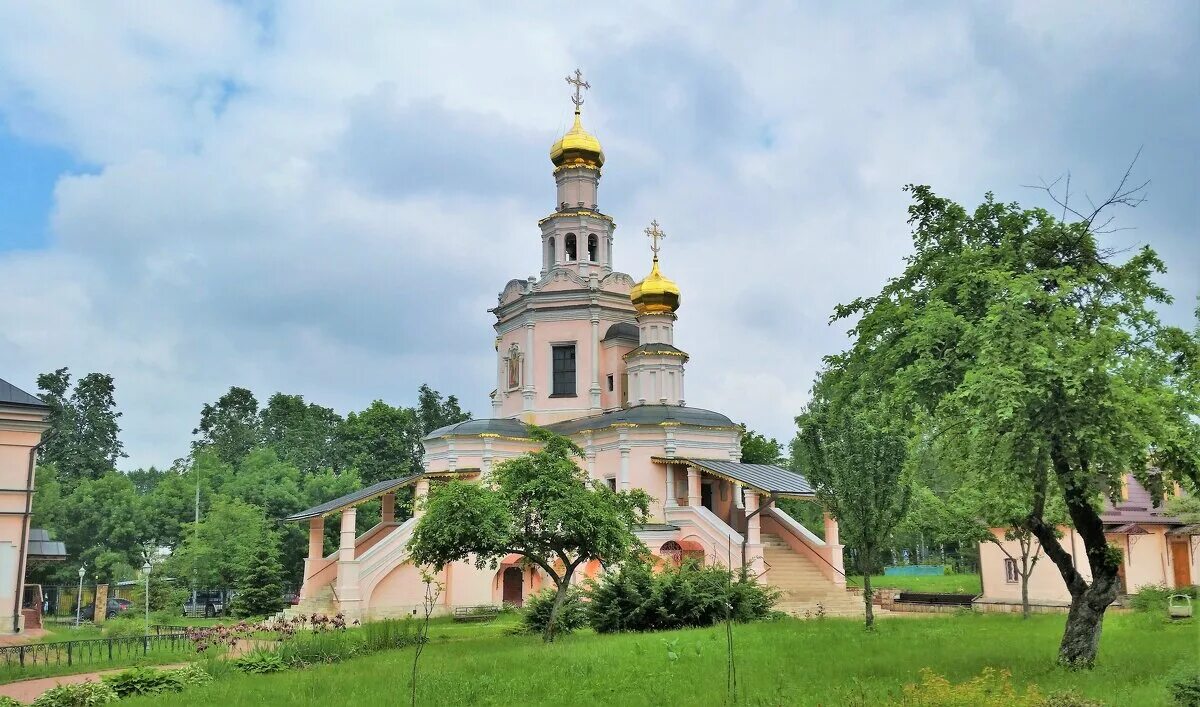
point(325, 198)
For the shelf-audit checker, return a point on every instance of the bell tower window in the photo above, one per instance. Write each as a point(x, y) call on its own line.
point(593, 247)
point(550, 251)
point(572, 253)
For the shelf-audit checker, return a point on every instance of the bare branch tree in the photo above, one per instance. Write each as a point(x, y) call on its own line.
point(1124, 194)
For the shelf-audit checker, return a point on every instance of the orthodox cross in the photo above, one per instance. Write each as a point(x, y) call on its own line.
point(655, 233)
point(579, 84)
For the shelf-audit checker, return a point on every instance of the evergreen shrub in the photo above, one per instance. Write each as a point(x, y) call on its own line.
point(535, 614)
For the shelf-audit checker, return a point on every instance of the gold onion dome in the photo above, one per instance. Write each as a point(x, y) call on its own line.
point(578, 148)
point(656, 294)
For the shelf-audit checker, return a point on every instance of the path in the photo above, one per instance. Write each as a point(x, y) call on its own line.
point(30, 690)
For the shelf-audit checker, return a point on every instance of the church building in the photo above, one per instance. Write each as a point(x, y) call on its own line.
point(589, 353)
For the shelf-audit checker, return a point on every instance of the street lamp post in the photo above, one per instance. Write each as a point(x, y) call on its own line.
point(146, 570)
point(79, 597)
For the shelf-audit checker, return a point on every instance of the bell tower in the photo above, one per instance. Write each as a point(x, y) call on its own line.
point(577, 235)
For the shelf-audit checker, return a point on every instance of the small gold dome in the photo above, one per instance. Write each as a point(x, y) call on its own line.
point(578, 148)
point(656, 294)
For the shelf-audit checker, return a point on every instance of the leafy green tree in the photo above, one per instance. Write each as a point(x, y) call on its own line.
point(304, 435)
point(230, 427)
point(759, 449)
point(259, 591)
point(84, 439)
point(434, 412)
point(856, 463)
point(1185, 508)
point(1014, 337)
point(541, 506)
point(382, 442)
point(103, 527)
point(220, 550)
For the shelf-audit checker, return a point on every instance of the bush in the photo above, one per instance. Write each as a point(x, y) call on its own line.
point(260, 662)
point(635, 598)
point(536, 612)
point(1153, 597)
point(6, 701)
point(82, 694)
point(1184, 685)
point(319, 647)
point(149, 681)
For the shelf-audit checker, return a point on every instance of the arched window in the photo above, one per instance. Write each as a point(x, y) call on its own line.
point(550, 251)
point(672, 552)
point(570, 247)
point(593, 248)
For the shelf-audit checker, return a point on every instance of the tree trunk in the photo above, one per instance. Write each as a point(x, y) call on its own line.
point(1081, 637)
point(1025, 596)
point(867, 595)
point(559, 596)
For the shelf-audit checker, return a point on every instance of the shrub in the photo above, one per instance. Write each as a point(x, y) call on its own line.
point(6, 701)
point(536, 612)
point(635, 598)
point(142, 681)
point(81, 694)
point(1154, 597)
point(260, 662)
point(1184, 685)
point(387, 634)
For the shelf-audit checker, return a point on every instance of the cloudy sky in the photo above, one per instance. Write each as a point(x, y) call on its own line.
point(325, 198)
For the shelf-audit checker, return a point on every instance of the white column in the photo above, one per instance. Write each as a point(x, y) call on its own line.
point(485, 466)
point(346, 547)
point(595, 360)
point(832, 541)
point(387, 508)
point(420, 493)
point(623, 477)
point(316, 538)
point(752, 526)
point(693, 482)
point(528, 390)
point(670, 499)
point(500, 382)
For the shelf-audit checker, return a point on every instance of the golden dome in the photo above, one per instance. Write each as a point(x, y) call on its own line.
point(656, 294)
point(578, 148)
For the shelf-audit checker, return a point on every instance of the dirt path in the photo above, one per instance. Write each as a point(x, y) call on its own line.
point(30, 690)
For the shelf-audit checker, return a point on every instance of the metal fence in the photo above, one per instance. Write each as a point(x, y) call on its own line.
point(92, 650)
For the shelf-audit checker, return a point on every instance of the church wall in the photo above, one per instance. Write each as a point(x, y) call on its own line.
point(612, 361)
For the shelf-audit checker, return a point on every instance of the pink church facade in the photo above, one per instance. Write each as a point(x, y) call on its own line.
point(589, 353)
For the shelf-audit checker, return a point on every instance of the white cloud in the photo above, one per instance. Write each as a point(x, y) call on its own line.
point(324, 199)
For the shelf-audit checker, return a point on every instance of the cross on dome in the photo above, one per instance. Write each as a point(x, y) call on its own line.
point(579, 84)
point(655, 234)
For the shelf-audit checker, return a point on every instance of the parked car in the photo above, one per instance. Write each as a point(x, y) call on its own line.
point(207, 603)
point(113, 608)
point(291, 598)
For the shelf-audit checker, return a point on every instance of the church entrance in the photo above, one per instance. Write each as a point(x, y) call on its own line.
point(1181, 564)
point(706, 494)
point(514, 586)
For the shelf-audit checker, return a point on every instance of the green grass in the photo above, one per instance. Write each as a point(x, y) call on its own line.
point(792, 662)
point(937, 584)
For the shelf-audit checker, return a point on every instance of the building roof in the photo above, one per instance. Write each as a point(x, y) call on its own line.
point(622, 330)
point(767, 478)
point(12, 395)
point(1128, 529)
point(657, 350)
point(500, 426)
point(1137, 507)
point(643, 415)
point(352, 499)
point(1193, 529)
point(41, 547)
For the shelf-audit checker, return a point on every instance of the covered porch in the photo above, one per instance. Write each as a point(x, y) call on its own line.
point(333, 582)
point(731, 505)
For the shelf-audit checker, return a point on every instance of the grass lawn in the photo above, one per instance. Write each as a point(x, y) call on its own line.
point(787, 662)
point(938, 584)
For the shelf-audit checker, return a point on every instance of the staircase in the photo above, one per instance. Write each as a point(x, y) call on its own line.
point(803, 584)
point(319, 603)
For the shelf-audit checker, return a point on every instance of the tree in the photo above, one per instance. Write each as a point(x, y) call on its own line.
point(433, 412)
point(382, 442)
point(759, 449)
point(1014, 337)
point(221, 549)
point(856, 462)
point(541, 506)
point(230, 426)
point(84, 439)
point(103, 527)
point(304, 435)
point(259, 591)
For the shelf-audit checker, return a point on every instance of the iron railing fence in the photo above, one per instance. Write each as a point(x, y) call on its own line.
point(90, 650)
